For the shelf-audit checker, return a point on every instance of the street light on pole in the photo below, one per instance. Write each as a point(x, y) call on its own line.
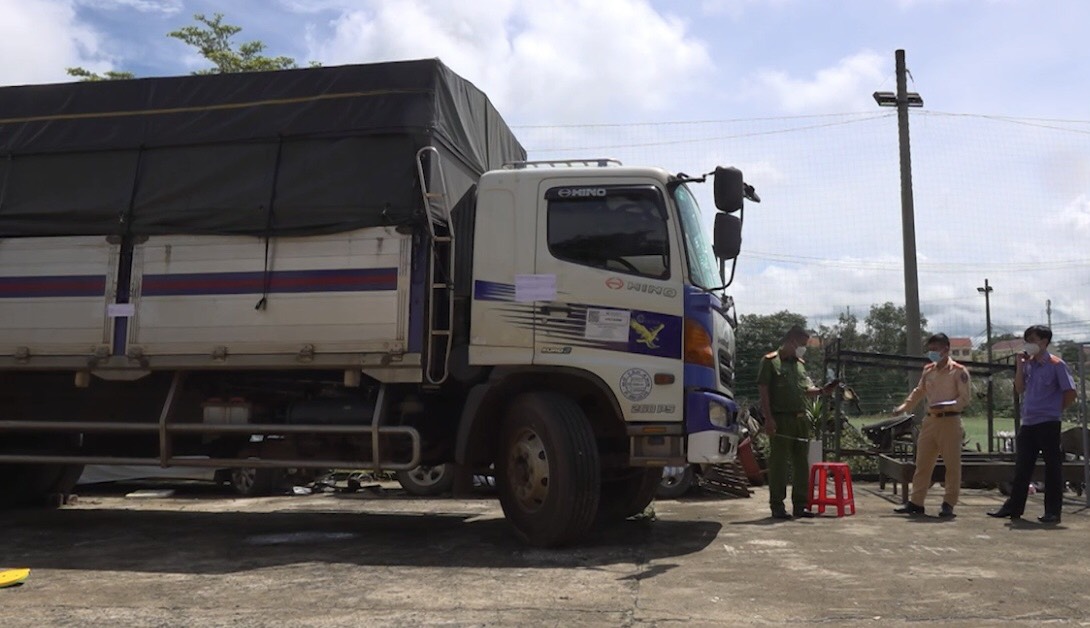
point(987, 291)
point(903, 99)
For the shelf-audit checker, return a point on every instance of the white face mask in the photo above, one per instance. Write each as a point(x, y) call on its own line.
point(1031, 348)
point(800, 352)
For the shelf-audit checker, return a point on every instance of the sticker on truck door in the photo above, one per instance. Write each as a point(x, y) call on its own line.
point(607, 325)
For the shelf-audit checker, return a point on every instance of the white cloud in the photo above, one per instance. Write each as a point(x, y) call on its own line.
point(168, 7)
point(736, 8)
point(45, 37)
point(617, 58)
point(847, 86)
point(1074, 221)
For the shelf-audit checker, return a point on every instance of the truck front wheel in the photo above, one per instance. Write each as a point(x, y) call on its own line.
point(548, 473)
point(629, 495)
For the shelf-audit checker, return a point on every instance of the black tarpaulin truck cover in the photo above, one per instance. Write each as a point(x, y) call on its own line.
point(290, 152)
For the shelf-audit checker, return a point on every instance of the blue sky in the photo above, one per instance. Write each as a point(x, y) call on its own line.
point(782, 88)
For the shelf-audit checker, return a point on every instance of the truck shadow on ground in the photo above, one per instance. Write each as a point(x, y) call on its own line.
point(229, 542)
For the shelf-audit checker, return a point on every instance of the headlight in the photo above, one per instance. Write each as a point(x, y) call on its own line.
point(717, 414)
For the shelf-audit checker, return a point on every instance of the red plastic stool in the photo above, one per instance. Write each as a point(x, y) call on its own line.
point(842, 475)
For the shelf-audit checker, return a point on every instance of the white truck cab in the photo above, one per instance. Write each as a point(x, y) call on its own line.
point(605, 273)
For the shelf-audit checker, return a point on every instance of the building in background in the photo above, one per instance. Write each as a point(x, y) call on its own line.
point(961, 349)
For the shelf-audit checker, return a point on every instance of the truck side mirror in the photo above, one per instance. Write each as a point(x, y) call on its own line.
point(729, 189)
point(727, 236)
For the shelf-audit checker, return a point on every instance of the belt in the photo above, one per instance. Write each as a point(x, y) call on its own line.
point(943, 414)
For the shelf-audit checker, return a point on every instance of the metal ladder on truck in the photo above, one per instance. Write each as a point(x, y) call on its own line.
point(439, 334)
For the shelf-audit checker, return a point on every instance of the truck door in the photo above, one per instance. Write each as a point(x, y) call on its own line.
point(608, 284)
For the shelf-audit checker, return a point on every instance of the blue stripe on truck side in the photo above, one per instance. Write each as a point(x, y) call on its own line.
point(52, 286)
point(290, 281)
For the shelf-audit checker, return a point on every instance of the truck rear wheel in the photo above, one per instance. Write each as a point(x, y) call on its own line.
point(427, 481)
point(548, 473)
point(251, 482)
point(37, 484)
point(676, 481)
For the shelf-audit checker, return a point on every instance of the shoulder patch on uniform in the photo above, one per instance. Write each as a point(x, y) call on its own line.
point(965, 376)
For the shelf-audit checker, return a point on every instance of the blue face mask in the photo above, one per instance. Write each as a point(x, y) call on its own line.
point(934, 356)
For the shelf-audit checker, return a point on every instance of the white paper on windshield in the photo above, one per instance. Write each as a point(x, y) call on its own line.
point(535, 288)
point(608, 325)
point(120, 310)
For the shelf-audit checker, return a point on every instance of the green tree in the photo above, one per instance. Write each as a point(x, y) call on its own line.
point(846, 330)
point(87, 75)
point(213, 39)
point(886, 329)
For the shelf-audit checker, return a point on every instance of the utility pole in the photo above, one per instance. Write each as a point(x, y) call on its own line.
point(987, 291)
point(904, 99)
point(1048, 311)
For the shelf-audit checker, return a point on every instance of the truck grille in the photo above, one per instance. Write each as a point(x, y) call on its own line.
point(726, 369)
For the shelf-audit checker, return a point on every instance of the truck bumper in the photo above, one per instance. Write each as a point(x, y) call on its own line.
point(711, 422)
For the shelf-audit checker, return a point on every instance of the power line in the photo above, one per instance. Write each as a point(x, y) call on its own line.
point(941, 268)
point(720, 138)
point(613, 125)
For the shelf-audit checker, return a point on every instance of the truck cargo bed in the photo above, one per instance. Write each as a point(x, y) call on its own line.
point(207, 301)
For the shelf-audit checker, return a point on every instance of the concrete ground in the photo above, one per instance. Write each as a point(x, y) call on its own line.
point(199, 558)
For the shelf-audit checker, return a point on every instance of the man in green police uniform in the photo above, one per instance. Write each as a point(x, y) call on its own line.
point(784, 387)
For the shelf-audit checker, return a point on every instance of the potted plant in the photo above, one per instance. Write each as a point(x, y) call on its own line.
point(816, 409)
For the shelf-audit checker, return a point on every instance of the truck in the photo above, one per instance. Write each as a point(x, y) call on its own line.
point(352, 267)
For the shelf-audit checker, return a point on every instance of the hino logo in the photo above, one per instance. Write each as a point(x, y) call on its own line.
point(647, 288)
point(581, 192)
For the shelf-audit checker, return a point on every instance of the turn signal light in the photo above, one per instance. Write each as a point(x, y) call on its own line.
point(698, 344)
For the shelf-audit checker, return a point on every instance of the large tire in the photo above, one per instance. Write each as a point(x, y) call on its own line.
point(548, 474)
point(628, 496)
point(675, 482)
point(251, 482)
point(425, 481)
point(37, 484)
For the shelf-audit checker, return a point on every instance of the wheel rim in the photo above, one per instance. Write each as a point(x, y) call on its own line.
point(528, 470)
point(243, 479)
point(427, 476)
point(671, 476)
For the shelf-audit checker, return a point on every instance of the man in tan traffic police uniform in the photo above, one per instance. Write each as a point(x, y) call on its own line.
point(945, 384)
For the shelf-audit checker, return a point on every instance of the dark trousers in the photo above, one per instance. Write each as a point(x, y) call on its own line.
point(788, 448)
point(1044, 438)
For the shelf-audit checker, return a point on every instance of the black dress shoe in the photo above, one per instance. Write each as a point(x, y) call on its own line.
point(802, 513)
point(1004, 513)
point(947, 511)
point(780, 514)
point(1048, 518)
point(909, 509)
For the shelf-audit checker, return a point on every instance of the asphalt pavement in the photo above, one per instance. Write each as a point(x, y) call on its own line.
point(378, 557)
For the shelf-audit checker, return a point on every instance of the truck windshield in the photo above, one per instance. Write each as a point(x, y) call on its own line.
point(698, 250)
